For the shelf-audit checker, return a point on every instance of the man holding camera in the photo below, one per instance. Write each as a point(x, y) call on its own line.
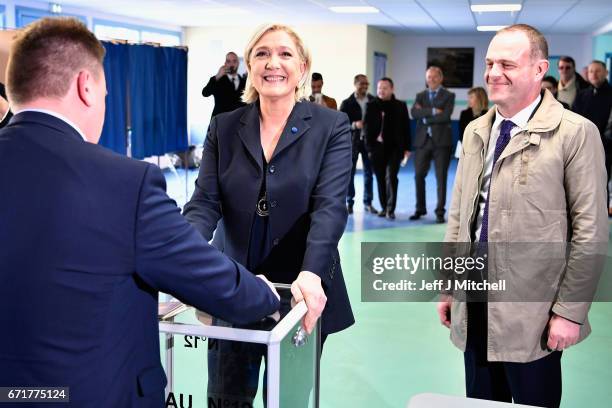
point(226, 86)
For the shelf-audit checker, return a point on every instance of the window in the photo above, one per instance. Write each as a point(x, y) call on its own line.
point(27, 15)
point(111, 30)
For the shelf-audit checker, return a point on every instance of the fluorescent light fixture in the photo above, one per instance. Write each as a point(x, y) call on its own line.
point(354, 9)
point(490, 28)
point(222, 11)
point(487, 8)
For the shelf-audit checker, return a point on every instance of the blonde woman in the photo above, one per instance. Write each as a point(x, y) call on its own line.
point(478, 104)
point(275, 172)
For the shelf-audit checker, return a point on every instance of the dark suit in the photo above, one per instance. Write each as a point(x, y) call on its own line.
point(88, 239)
point(387, 155)
point(227, 97)
point(595, 104)
point(306, 183)
point(351, 107)
point(433, 140)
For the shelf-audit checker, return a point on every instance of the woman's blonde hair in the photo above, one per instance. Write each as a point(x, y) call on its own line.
point(250, 94)
point(482, 100)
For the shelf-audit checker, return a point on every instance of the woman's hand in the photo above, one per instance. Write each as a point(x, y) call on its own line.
point(308, 287)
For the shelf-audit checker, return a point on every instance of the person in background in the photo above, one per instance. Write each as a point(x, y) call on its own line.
point(478, 105)
point(317, 96)
point(570, 82)
point(276, 173)
point(355, 106)
point(387, 130)
point(550, 84)
point(226, 86)
point(432, 110)
point(595, 104)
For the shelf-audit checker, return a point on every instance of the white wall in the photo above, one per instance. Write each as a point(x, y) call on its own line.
point(378, 41)
point(338, 53)
point(410, 59)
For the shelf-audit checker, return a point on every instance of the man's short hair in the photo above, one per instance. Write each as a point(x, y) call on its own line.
point(358, 77)
point(603, 64)
point(316, 76)
point(568, 59)
point(437, 69)
point(537, 43)
point(389, 80)
point(47, 54)
point(551, 79)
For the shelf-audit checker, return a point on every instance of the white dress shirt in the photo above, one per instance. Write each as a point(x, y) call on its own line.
point(520, 120)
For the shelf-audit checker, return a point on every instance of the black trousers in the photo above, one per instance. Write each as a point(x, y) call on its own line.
point(536, 383)
point(422, 161)
point(386, 163)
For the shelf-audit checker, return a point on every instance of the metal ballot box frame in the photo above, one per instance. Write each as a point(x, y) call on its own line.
point(292, 355)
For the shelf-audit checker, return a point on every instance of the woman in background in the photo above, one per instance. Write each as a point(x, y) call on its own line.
point(478, 104)
point(276, 173)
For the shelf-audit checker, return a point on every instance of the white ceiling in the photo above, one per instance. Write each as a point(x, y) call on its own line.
point(396, 16)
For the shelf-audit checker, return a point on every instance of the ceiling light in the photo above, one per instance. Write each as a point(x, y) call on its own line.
point(486, 8)
point(354, 9)
point(490, 28)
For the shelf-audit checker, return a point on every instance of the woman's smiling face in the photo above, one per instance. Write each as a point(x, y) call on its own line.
point(276, 66)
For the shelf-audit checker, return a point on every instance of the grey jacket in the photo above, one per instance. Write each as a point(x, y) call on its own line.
point(423, 113)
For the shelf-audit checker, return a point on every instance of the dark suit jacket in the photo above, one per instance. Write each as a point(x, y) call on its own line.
point(227, 97)
point(595, 105)
point(88, 238)
point(441, 132)
point(351, 107)
point(306, 179)
point(395, 127)
point(466, 116)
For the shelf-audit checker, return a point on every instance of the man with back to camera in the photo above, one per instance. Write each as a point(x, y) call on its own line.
point(226, 86)
point(570, 82)
point(531, 172)
point(316, 85)
point(387, 133)
point(355, 106)
point(89, 237)
point(595, 104)
point(433, 141)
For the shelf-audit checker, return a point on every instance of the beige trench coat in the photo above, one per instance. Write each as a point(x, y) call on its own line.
point(549, 185)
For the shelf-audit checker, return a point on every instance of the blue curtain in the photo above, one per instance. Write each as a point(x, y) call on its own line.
point(114, 133)
point(158, 99)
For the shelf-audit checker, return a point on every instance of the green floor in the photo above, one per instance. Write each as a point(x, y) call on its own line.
point(397, 350)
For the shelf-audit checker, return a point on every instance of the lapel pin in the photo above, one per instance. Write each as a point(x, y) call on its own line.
point(294, 130)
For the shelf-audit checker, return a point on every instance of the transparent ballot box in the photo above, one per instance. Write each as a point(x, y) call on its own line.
point(211, 363)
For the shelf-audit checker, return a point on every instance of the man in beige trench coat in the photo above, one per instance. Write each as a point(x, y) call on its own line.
point(548, 186)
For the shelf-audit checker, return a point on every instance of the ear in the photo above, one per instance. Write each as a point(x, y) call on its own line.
point(541, 69)
point(85, 87)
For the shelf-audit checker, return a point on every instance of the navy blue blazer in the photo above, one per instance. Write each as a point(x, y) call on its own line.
point(307, 180)
point(88, 238)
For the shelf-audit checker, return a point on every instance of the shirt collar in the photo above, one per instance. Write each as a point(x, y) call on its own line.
point(521, 118)
point(57, 115)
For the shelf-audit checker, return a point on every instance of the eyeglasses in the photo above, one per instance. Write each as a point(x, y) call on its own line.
point(564, 68)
